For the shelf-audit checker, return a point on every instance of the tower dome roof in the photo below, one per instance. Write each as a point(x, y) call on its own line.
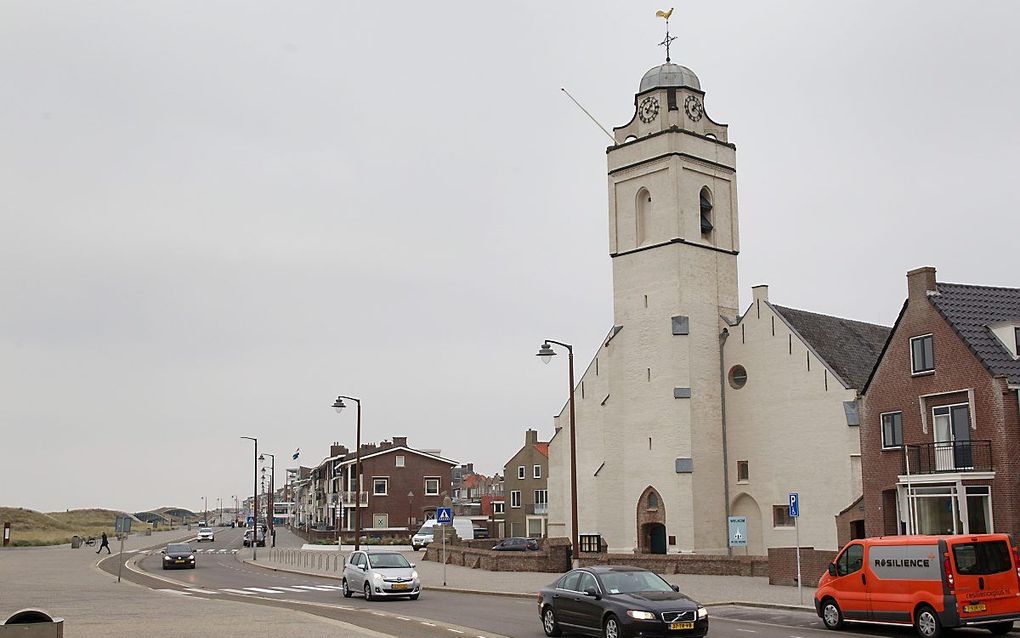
point(667, 75)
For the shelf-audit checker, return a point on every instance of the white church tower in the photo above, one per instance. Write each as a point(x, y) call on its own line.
point(649, 407)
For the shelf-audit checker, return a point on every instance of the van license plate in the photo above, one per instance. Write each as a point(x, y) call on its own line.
point(681, 625)
point(973, 608)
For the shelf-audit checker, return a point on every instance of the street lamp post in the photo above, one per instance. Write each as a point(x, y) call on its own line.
point(410, 508)
point(546, 353)
point(338, 405)
point(255, 502)
point(205, 510)
point(271, 504)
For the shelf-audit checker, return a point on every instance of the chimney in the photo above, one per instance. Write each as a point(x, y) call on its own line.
point(920, 282)
point(531, 437)
point(760, 292)
point(336, 449)
point(400, 441)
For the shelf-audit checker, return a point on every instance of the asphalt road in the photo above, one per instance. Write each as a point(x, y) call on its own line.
point(219, 574)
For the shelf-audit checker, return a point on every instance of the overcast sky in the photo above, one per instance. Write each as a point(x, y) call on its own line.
point(217, 216)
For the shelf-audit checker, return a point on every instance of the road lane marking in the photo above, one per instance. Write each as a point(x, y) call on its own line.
point(456, 631)
point(746, 631)
point(288, 589)
point(313, 588)
point(428, 624)
point(173, 591)
point(263, 591)
point(200, 591)
point(333, 587)
point(402, 618)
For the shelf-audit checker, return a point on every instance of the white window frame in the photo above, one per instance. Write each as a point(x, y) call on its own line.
point(400, 460)
point(515, 499)
point(439, 485)
point(499, 507)
point(386, 479)
point(881, 425)
point(913, 371)
point(536, 472)
point(521, 472)
point(545, 497)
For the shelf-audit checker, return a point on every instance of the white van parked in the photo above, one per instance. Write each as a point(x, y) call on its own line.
point(422, 538)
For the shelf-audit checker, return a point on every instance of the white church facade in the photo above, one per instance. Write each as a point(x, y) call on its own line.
point(685, 386)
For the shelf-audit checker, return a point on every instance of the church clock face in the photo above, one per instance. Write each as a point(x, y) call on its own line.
point(648, 109)
point(693, 108)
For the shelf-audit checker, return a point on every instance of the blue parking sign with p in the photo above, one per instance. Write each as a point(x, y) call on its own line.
point(794, 504)
point(444, 515)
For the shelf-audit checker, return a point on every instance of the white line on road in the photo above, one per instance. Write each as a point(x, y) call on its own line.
point(311, 588)
point(428, 624)
point(263, 591)
point(746, 631)
point(237, 591)
point(456, 631)
point(288, 589)
point(200, 591)
point(173, 591)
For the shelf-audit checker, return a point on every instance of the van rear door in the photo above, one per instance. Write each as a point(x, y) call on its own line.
point(986, 577)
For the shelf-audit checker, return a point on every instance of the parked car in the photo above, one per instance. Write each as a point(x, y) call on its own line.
point(260, 538)
point(516, 544)
point(930, 582)
point(423, 537)
point(380, 575)
point(178, 556)
point(205, 534)
point(616, 601)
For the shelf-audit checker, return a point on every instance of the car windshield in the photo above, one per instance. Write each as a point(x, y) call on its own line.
point(388, 561)
point(630, 582)
point(205, 530)
point(178, 549)
point(426, 530)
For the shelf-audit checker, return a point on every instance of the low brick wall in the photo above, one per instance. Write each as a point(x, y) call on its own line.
point(782, 567)
point(553, 557)
point(699, 564)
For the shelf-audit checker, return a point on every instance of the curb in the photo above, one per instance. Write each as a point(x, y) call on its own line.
point(745, 603)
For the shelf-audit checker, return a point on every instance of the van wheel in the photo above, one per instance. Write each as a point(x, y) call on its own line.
point(1000, 628)
point(927, 624)
point(831, 614)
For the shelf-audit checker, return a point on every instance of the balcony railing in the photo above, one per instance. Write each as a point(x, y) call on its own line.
point(949, 456)
point(347, 498)
point(539, 509)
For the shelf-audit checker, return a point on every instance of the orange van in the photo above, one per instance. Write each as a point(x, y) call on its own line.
point(930, 582)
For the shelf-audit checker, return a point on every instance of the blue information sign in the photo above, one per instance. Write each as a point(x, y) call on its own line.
point(738, 531)
point(444, 515)
point(794, 504)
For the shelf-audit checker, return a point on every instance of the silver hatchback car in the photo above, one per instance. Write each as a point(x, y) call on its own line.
point(380, 575)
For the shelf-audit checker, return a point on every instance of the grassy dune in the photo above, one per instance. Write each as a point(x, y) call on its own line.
point(29, 527)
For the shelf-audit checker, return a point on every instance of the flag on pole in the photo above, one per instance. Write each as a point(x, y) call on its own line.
point(664, 14)
point(297, 453)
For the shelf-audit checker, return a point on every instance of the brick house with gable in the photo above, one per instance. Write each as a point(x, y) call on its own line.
point(941, 413)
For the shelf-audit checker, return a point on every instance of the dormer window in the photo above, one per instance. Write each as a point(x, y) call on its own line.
point(706, 211)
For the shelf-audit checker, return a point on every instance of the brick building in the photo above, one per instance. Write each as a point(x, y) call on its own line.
point(525, 484)
point(941, 413)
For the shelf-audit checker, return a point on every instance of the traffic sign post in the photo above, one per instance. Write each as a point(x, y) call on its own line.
point(795, 515)
point(444, 516)
point(122, 527)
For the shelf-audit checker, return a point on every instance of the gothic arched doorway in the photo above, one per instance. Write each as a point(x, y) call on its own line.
point(651, 523)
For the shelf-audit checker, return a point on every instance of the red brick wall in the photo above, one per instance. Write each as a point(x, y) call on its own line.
point(813, 563)
point(894, 389)
point(410, 478)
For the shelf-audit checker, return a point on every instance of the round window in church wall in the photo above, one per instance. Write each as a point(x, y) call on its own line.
point(738, 377)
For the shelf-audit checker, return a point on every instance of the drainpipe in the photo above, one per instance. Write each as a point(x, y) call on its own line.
point(725, 451)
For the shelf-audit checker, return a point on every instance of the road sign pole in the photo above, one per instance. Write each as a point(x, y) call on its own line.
point(444, 556)
point(121, 568)
point(800, 584)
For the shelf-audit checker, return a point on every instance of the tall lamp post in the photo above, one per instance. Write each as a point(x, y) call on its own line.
point(339, 405)
point(255, 502)
point(410, 509)
point(205, 510)
point(546, 353)
point(271, 505)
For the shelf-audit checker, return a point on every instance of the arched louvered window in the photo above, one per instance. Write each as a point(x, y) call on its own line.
point(643, 215)
point(706, 211)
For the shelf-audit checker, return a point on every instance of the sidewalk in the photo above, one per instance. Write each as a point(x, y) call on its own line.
point(65, 583)
point(705, 589)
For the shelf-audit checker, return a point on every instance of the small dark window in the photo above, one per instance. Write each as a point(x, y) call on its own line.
point(743, 472)
point(653, 500)
point(922, 357)
point(982, 559)
point(781, 516)
point(892, 430)
point(706, 211)
point(1016, 341)
point(738, 377)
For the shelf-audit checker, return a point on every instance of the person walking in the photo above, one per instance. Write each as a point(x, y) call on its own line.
point(104, 543)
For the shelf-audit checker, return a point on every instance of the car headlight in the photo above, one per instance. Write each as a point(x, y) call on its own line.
point(167, 558)
point(192, 557)
point(702, 613)
point(377, 576)
point(640, 615)
point(414, 575)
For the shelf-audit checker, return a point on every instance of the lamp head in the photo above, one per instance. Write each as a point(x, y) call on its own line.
point(546, 353)
point(339, 405)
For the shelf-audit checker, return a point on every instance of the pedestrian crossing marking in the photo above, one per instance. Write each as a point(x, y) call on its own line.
point(263, 590)
point(309, 587)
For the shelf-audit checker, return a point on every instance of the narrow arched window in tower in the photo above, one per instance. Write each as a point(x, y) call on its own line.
point(706, 213)
point(643, 215)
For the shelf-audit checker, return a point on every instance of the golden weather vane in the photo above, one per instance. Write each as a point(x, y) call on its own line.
point(669, 39)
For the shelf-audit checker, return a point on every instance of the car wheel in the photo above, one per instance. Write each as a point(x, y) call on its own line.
point(832, 616)
point(413, 596)
point(415, 547)
point(346, 589)
point(611, 628)
point(1000, 628)
point(549, 624)
point(368, 592)
point(927, 624)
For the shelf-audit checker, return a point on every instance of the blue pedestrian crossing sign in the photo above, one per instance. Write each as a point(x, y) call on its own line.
point(794, 504)
point(444, 515)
